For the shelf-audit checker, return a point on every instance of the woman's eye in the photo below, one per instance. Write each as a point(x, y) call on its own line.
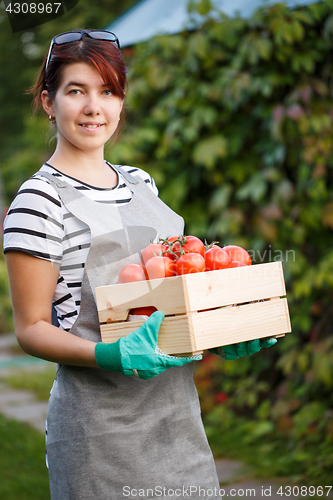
point(75, 91)
point(107, 92)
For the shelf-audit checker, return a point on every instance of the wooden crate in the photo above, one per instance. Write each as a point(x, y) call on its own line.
point(202, 310)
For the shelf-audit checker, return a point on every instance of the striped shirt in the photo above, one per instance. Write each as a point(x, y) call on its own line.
point(39, 224)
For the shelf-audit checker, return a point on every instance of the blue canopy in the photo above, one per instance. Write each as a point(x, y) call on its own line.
point(153, 17)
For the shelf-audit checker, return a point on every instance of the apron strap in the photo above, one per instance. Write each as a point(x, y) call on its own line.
point(52, 178)
point(128, 177)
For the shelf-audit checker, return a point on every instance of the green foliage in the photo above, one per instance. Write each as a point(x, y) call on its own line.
point(6, 319)
point(282, 425)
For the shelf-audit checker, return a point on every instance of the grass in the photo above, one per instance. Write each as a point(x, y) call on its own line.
point(22, 451)
point(38, 381)
point(22, 462)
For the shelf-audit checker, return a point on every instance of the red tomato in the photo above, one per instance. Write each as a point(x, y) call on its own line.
point(216, 258)
point(171, 239)
point(236, 263)
point(130, 273)
point(152, 250)
point(160, 267)
point(191, 244)
point(194, 245)
point(238, 253)
point(144, 269)
point(143, 311)
point(190, 263)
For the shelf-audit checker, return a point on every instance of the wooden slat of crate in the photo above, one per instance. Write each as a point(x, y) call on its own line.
point(176, 335)
point(197, 331)
point(192, 292)
point(241, 323)
point(115, 301)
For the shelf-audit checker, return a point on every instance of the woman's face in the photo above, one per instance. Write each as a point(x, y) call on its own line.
point(86, 111)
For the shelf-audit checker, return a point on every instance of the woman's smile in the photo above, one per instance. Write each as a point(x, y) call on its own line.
point(91, 125)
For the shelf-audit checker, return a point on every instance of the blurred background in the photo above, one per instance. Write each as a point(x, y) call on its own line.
point(231, 113)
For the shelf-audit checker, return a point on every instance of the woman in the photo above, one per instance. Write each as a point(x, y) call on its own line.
point(114, 428)
point(123, 418)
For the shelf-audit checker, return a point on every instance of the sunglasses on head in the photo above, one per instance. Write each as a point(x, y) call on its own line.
point(73, 36)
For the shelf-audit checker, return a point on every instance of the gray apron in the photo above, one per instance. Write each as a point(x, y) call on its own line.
point(110, 436)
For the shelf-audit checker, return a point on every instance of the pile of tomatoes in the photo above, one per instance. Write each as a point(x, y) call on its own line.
point(180, 255)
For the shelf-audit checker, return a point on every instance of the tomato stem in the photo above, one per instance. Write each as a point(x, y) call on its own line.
point(208, 246)
point(177, 253)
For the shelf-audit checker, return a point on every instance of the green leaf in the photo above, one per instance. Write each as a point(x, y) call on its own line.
point(263, 428)
point(220, 198)
point(208, 151)
point(254, 189)
point(203, 7)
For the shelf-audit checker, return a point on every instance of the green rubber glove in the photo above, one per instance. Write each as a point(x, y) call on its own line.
point(138, 353)
point(236, 351)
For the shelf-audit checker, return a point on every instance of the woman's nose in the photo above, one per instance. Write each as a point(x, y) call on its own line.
point(92, 105)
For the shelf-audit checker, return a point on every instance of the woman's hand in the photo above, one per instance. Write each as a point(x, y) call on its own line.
point(236, 351)
point(32, 284)
point(138, 353)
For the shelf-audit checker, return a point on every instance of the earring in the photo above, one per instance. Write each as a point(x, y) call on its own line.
point(52, 119)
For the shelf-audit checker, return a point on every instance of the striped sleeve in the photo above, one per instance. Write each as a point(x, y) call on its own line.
point(34, 222)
